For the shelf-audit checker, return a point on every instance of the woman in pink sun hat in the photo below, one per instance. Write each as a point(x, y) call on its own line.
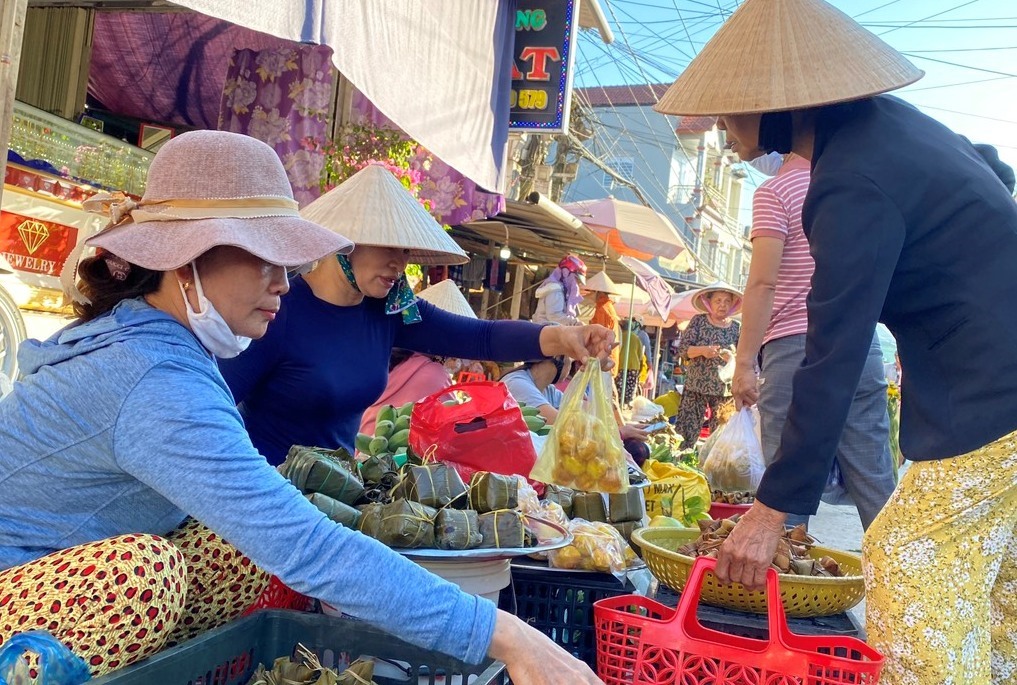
point(134, 510)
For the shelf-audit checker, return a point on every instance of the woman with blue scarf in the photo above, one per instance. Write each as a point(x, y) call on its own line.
point(325, 358)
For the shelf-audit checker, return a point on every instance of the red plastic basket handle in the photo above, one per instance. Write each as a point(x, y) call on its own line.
point(685, 613)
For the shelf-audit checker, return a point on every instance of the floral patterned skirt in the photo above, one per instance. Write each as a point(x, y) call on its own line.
point(940, 565)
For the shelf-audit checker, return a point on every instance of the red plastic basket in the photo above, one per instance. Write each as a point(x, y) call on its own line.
point(722, 510)
point(643, 642)
point(278, 596)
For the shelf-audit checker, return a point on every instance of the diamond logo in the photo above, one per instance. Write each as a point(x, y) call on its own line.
point(33, 234)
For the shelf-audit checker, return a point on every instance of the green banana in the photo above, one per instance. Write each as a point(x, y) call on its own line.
point(546, 430)
point(400, 439)
point(378, 445)
point(529, 411)
point(386, 413)
point(402, 423)
point(383, 429)
point(406, 409)
point(534, 423)
point(363, 442)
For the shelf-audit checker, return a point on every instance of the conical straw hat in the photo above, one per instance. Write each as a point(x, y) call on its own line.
point(602, 283)
point(373, 208)
point(447, 296)
point(718, 287)
point(774, 55)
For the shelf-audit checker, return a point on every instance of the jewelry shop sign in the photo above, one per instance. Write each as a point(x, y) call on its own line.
point(542, 65)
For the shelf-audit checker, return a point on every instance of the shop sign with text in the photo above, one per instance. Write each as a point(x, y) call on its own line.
point(542, 65)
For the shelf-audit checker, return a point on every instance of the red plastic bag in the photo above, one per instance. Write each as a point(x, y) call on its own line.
point(643, 642)
point(484, 433)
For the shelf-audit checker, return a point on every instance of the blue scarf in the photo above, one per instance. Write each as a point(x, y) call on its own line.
point(400, 298)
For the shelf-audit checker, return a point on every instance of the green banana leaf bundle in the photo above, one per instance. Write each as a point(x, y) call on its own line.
point(627, 528)
point(457, 529)
point(307, 670)
point(492, 491)
point(342, 514)
point(502, 529)
point(313, 470)
point(408, 525)
point(435, 485)
point(376, 469)
point(561, 495)
point(628, 506)
point(589, 506)
point(370, 519)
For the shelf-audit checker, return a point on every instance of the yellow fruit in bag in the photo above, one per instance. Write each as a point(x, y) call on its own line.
point(584, 448)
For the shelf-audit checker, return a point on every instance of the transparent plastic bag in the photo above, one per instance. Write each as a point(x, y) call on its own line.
point(56, 664)
point(584, 449)
point(595, 547)
point(735, 462)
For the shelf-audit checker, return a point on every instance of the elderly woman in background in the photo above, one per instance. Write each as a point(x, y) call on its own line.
point(706, 345)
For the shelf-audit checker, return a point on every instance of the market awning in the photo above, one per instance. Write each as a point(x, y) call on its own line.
point(452, 56)
point(540, 232)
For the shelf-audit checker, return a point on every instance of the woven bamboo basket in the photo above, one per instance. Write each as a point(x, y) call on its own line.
point(803, 596)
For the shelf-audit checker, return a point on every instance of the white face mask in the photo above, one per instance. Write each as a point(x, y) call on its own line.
point(768, 164)
point(209, 327)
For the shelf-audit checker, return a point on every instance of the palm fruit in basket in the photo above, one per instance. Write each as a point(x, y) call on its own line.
point(792, 555)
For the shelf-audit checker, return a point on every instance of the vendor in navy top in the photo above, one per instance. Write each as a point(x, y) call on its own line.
point(325, 358)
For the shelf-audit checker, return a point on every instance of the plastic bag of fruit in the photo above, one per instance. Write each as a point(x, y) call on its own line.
point(584, 449)
point(735, 462)
point(595, 547)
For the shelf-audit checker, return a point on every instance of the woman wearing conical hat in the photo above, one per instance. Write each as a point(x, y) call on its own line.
point(134, 509)
point(908, 226)
point(310, 379)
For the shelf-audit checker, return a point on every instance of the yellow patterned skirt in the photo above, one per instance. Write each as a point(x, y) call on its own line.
point(940, 566)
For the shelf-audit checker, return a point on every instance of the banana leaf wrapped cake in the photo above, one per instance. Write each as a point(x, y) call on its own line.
point(408, 525)
point(434, 485)
point(588, 506)
point(370, 519)
point(342, 514)
point(457, 529)
point(625, 507)
point(502, 529)
point(493, 492)
point(314, 470)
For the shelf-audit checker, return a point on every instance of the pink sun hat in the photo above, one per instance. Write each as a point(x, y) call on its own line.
point(206, 189)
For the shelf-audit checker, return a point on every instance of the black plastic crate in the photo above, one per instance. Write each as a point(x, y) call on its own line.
point(560, 604)
point(229, 655)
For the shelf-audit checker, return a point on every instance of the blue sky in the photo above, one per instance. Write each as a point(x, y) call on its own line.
point(968, 49)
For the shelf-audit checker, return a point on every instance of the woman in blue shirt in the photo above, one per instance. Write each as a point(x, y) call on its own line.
point(325, 360)
point(123, 427)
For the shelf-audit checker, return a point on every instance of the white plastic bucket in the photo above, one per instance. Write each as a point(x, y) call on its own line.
point(484, 578)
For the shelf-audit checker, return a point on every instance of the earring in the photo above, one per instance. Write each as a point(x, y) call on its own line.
point(187, 285)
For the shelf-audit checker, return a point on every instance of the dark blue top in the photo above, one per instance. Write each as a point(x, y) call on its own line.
point(309, 380)
point(907, 226)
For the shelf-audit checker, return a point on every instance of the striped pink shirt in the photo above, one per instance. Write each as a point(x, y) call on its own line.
point(777, 213)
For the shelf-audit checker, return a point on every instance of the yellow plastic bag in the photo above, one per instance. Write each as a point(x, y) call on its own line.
point(584, 449)
point(676, 490)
